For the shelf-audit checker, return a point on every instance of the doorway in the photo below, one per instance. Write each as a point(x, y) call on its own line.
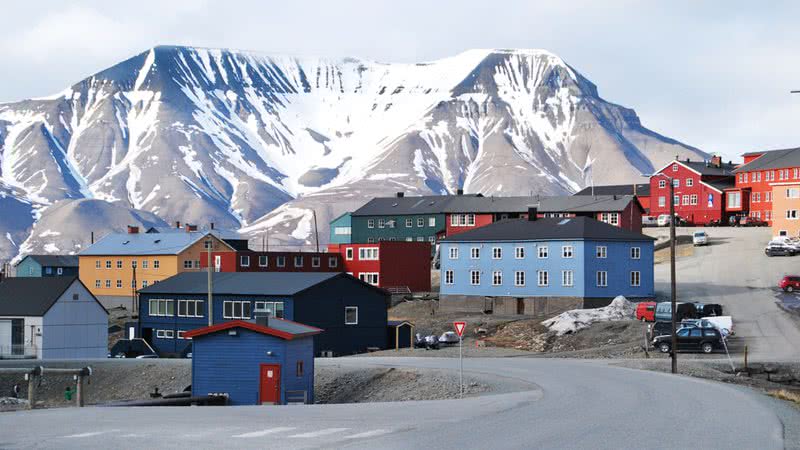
point(147, 335)
point(520, 306)
point(269, 386)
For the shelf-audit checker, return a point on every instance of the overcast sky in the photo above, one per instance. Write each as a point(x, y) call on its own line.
point(716, 75)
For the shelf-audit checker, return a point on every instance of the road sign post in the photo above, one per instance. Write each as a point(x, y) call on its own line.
point(460, 326)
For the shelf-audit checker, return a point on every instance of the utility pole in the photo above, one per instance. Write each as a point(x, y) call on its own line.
point(316, 231)
point(674, 346)
point(133, 290)
point(209, 244)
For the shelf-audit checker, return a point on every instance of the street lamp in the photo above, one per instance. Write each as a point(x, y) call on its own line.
point(674, 345)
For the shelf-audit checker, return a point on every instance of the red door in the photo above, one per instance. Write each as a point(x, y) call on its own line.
point(269, 392)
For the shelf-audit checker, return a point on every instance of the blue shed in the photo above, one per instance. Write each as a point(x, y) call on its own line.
point(266, 362)
point(48, 266)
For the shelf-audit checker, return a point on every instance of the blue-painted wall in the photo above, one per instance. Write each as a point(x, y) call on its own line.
point(584, 264)
point(222, 363)
point(28, 267)
point(345, 221)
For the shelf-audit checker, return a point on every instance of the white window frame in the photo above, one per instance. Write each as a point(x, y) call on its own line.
point(156, 264)
point(381, 223)
point(119, 284)
point(601, 252)
point(350, 309)
point(280, 261)
point(98, 283)
point(409, 222)
point(167, 303)
point(449, 277)
point(370, 223)
point(431, 221)
point(348, 253)
point(368, 254)
point(497, 252)
point(636, 253)
point(333, 262)
point(316, 261)
point(567, 278)
point(636, 278)
point(263, 261)
point(452, 253)
point(601, 276)
point(372, 278)
point(244, 260)
point(298, 259)
point(519, 278)
point(693, 199)
point(662, 201)
point(543, 252)
point(234, 304)
point(567, 251)
point(689, 182)
point(686, 199)
point(519, 253)
point(475, 277)
point(542, 278)
point(184, 305)
point(475, 253)
point(662, 184)
point(674, 167)
point(97, 264)
point(497, 278)
point(470, 220)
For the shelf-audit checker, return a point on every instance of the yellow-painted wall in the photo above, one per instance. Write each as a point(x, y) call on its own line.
point(782, 203)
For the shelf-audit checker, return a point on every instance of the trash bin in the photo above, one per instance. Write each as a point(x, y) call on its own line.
point(68, 393)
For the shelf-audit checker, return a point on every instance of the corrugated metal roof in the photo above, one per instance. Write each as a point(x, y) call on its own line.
point(285, 329)
point(575, 228)
point(585, 203)
point(642, 190)
point(240, 283)
point(774, 159)
point(54, 260)
point(430, 204)
point(221, 234)
point(24, 296)
point(143, 243)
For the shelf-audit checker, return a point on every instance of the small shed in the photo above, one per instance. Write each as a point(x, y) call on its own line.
point(400, 334)
point(268, 361)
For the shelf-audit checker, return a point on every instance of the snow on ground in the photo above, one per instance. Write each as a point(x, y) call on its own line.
point(577, 319)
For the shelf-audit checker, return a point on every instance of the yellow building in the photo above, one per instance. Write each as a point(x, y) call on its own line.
point(786, 209)
point(119, 264)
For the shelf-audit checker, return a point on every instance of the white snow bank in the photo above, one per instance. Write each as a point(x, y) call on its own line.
point(578, 319)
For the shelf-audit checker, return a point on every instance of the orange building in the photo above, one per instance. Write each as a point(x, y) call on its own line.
point(786, 209)
point(119, 264)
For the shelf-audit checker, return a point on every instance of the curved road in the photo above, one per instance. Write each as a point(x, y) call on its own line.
point(562, 404)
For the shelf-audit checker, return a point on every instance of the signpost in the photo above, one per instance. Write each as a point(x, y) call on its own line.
point(460, 326)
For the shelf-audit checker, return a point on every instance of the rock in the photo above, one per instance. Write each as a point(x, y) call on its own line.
point(781, 378)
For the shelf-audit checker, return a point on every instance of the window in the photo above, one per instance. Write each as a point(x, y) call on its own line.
point(280, 261)
point(145, 264)
point(497, 278)
point(187, 264)
point(543, 252)
point(165, 334)
point(133, 264)
point(409, 223)
point(768, 196)
point(315, 261)
point(566, 251)
point(519, 278)
point(351, 315)
point(497, 253)
point(686, 200)
point(97, 264)
point(420, 238)
point(342, 231)
point(348, 254)
point(543, 278)
point(693, 199)
point(369, 277)
point(160, 307)
point(471, 220)
point(420, 221)
point(791, 214)
point(676, 182)
point(119, 264)
point(793, 192)
point(196, 263)
point(97, 284)
point(610, 218)
point(298, 261)
point(119, 284)
point(190, 308)
point(207, 244)
point(271, 309)
point(133, 284)
point(298, 369)
point(181, 334)
point(431, 221)
point(519, 253)
point(636, 278)
point(474, 277)
point(636, 252)
point(156, 264)
point(333, 262)
point(368, 253)
point(371, 223)
point(108, 284)
point(449, 277)
point(602, 278)
point(244, 261)
point(381, 223)
point(567, 278)
point(734, 200)
point(236, 309)
point(144, 284)
point(674, 167)
point(390, 223)
point(676, 200)
point(59, 271)
point(662, 201)
point(662, 184)
point(108, 264)
point(689, 182)
point(602, 251)
point(475, 253)
point(432, 239)
point(453, 253)
point(263, 260)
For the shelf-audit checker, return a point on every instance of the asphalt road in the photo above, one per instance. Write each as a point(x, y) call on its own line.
point(734, 271)
point(562, 404)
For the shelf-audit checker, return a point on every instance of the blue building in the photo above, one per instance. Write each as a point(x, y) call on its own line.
point(270, 361)
point(48, 266)
point(341, 229)
point(352, 312)
point(543, 266)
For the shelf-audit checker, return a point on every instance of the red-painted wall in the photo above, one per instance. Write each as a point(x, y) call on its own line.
point(759, 183)
point(399, 264)
point(698, 214)
point(480, 221)
point(645, 202)
point(231, 262)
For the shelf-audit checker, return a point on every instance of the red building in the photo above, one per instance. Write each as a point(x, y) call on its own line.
point(251, 261)
point(699, 190)
point(752, 194)
point(393, 265)
point(622, 211)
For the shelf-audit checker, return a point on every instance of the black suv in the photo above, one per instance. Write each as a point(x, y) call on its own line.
point(705, 340)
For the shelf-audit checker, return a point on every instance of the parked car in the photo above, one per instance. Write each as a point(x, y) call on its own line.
point(789, 283)
point(663, 220)
point(649, 221)
point(684, 311)
point(793, 243)
point(750, 221)
point(705, 340)
point(646, 311)
point(718, 223)
point(779, 249)
point(448, 338)
point(699, 238)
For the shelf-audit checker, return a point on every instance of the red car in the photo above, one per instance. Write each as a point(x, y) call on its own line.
point(789, 283)
point(646, 311)
point(750, 221)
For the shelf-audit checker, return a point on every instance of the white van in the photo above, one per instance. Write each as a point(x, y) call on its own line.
point(663, 220)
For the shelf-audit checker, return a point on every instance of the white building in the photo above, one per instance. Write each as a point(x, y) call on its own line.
point(51, 318)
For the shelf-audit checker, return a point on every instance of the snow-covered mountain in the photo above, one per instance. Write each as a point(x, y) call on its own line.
point(256, 142)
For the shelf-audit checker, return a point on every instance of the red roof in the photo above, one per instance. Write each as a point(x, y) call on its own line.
point(294, 329)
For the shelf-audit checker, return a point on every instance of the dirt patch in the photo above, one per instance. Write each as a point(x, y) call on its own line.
point(682, 250)
point(792, 396)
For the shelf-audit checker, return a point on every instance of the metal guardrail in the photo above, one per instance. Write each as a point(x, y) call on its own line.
point(398, 289)
point(18, 352)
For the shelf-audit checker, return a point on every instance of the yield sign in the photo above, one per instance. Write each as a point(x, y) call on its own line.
point(460, 326)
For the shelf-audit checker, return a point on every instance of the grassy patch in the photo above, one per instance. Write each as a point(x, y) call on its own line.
point(786, 394)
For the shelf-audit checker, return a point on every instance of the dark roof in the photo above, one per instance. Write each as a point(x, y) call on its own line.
point(284, 329)
point(31, 296)
point(575, 228)
point(245, 283)
point(642, 190)
point(585, 203)
point(774, 159)
point(398, 323)
point(725, 169)
point(430, 204)
point(54, 260)
point(722, 184)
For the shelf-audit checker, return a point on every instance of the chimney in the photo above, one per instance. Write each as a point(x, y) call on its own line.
point(133, 230)
point(532, 212)
point(212, 225)
point(716, 161)
point(687, 159)
point(190, 228)
point(460, 192)
point(177, 224)
point(401, 194)
point(634, 188)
